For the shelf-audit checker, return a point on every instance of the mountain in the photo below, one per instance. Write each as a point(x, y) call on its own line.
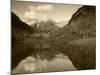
point(45, 25)
point(19, 28)
point(45, 28)
point(81, 25)
point(83, 22)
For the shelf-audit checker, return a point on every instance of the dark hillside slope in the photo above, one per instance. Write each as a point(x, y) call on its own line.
point(19, 28)
point(81, 25)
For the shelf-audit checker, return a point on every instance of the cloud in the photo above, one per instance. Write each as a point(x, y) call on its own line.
point(36, 13)
point(30, 15)
point(45, 8)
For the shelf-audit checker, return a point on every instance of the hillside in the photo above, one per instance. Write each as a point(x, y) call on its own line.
point(19, 28)
point(81, 25)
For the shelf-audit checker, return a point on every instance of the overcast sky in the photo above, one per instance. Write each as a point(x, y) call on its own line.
point(29, 12)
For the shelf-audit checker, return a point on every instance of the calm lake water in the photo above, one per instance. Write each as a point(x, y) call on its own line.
point(29, 57)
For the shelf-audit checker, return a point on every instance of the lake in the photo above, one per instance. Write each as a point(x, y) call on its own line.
point(39, 56)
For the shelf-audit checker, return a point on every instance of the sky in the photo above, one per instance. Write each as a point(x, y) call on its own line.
point(31, 12)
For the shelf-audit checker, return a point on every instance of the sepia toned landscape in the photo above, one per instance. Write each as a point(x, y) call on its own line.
point(49, 37)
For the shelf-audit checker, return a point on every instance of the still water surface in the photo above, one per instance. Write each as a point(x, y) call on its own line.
point(40, 57)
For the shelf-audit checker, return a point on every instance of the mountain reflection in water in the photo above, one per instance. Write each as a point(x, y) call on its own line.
point(41, 57)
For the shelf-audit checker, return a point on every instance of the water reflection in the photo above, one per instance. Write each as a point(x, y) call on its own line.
point(41, 57)
point(31, 64)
